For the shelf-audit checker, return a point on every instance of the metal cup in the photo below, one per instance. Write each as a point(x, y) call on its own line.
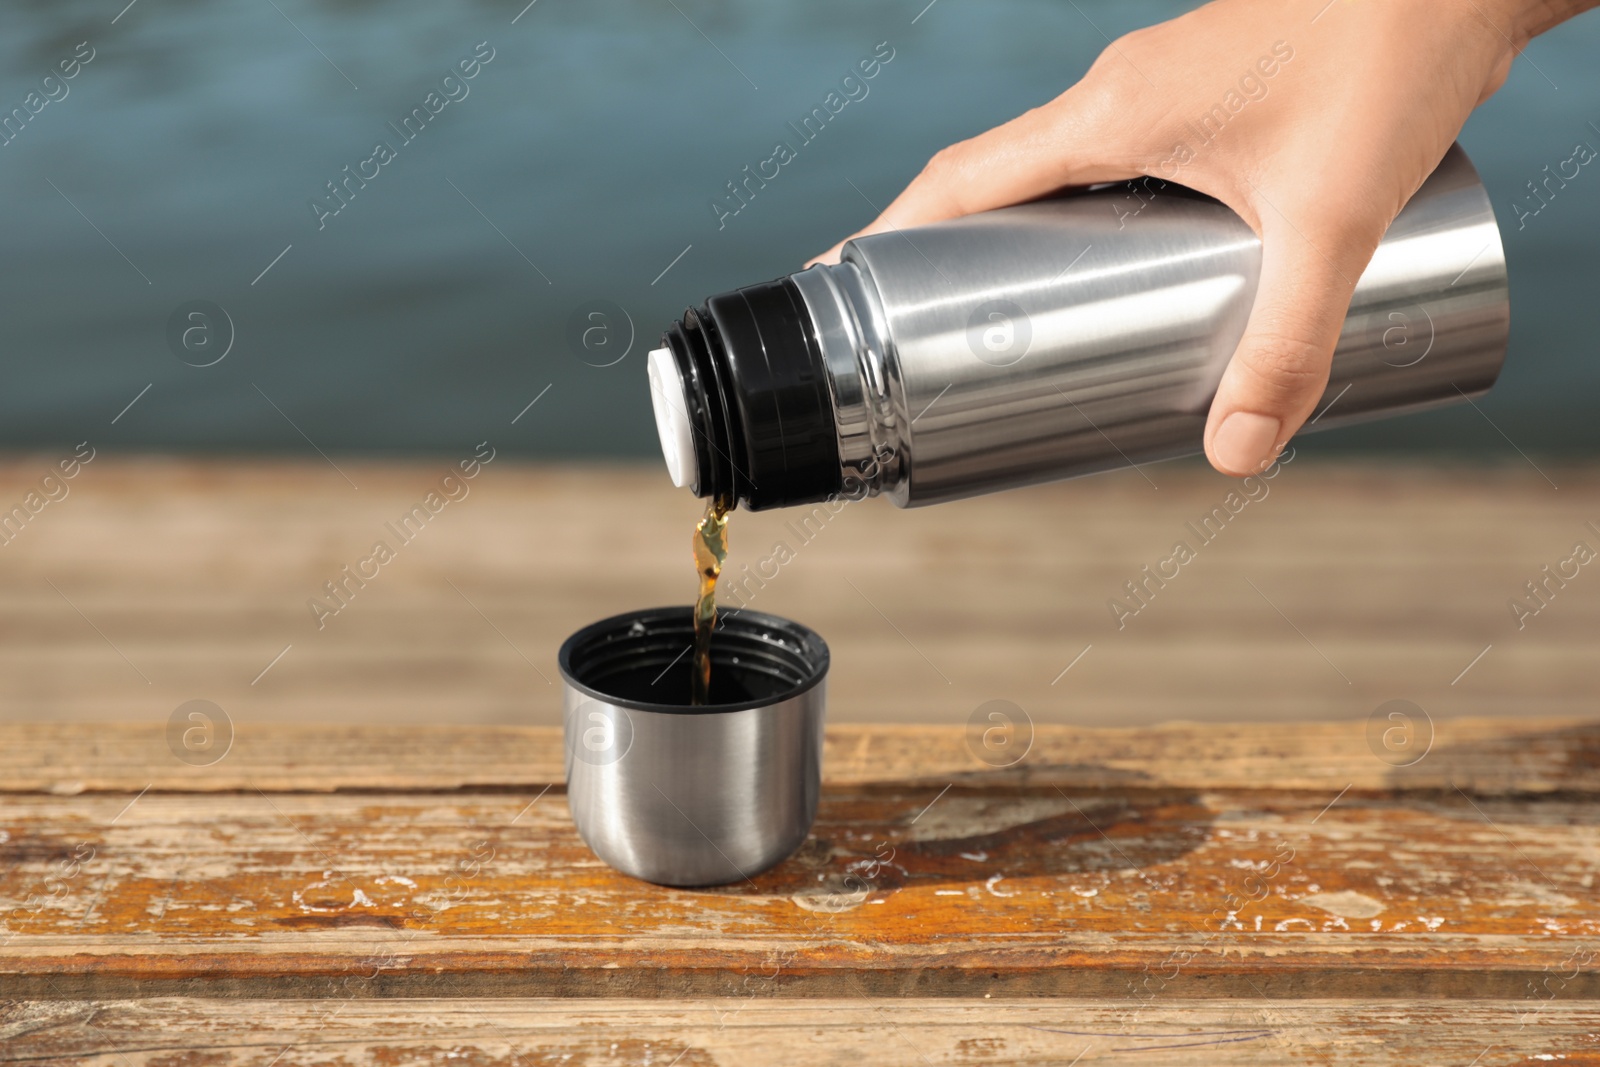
point(687, 795)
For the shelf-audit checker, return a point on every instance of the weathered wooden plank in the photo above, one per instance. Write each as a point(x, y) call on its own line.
point(901, 890)
point(1484, 756)
point(751, 1032)
point(160, 581)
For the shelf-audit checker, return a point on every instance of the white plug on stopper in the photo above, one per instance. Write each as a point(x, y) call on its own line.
point(672, 417)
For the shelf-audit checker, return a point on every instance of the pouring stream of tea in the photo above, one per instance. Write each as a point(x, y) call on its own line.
point(710, 550)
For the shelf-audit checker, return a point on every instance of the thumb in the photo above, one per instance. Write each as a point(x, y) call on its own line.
point(1280, 368)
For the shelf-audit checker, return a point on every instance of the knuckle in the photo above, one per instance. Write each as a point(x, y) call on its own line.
point(1286, 365)
point(1097, 101)
point(941, 168)
point(944, 164)
point(1113, 102)
point(1125, 50)
point(1136, 41)
point(1113, 73)
point(942, 176)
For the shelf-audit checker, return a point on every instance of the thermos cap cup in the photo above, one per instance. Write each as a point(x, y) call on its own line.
point(687, 795)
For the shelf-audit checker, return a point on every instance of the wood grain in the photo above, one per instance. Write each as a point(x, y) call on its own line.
point(1207, 833)
point(901, 890)
point(160, 581)
point(180, 1032)
point(1483, 756)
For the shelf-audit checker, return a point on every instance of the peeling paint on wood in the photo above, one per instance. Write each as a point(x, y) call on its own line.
point(1118, 888)
point(1011, 888)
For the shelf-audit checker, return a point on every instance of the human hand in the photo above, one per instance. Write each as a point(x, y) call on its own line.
point(1314, 120)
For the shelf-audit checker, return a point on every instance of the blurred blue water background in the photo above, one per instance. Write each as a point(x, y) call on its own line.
point(439, 302)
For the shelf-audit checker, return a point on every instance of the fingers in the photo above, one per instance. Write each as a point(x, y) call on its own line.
point(1280, 368)
point(1033, 154)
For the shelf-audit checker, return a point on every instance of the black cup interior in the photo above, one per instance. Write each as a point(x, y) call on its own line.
point(643, 660)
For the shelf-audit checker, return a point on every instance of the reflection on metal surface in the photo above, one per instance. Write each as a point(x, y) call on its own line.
point(1103, 341)
point(693, 796)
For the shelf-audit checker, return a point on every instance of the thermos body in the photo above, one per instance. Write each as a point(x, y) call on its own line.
point(1065, 337)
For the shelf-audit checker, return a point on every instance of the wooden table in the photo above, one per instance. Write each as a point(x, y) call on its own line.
point(380, 868)
point(1246, 894)
point(158, 581)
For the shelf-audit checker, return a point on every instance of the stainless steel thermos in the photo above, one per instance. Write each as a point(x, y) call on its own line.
point(1049, 340)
